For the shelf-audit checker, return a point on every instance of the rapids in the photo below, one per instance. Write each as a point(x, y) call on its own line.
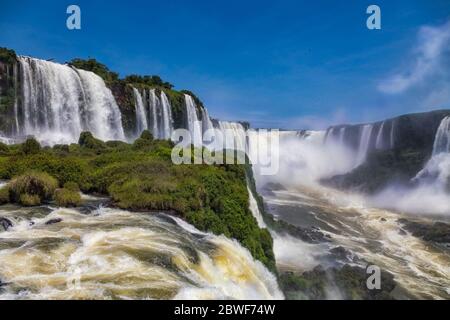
point(114, 254)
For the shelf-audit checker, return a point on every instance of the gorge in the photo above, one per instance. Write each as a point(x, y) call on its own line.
point(343, 198)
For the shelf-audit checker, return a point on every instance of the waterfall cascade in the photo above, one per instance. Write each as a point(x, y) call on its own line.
point(167, 119)
point(141, 116)
point(193, 123)
point(437, 168)
point(364, 143)
point(59, 102)
point(234, 134)
point(392, 137)
point(442, 140)
point(153, 112)
point(379, 142)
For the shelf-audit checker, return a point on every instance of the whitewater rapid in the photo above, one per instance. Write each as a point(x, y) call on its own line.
point(115, 254)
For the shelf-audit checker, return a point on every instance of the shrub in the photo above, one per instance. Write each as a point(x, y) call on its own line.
point(30, 146)
point(87, 140)
point(64, 148)
point(96, 67)
point(4, 195)
point(67, 198)
point(7, 56)
point(72, 186)
point(29, 200)
point(37, 184)
point(4, 150)
point(146, 135)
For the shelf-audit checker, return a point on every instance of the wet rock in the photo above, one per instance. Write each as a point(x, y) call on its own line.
point(5, 223)
point(53, 221)
point(402, 232)
point(340, 253)
point(438, 232)
point(383, 220)
point(349, 281)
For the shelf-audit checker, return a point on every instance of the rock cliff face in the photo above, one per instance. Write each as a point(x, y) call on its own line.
point(396, 150)
point(8, 83)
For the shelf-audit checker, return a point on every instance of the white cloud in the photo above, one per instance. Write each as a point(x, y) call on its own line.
point(433, 44)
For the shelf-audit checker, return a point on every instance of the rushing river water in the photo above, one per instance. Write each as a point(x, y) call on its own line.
point(51, 253)
point(368, 234)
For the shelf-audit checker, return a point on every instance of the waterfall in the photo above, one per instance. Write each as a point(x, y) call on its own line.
point(255, 210)
point(442, 139)
point(392, 141)
point(153, 106)
point(59, 102)
point(159, 117)
point(167, 117)
point(364, 144)
point(141, 116)
point(342, 136)
point(206, 121)
point(193, 123)
point(105, 116)
point(328, 135)
point(16, 106)
point(234, 134)
point(379, 141)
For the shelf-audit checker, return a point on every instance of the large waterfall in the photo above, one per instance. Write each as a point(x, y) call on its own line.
point(59, 102)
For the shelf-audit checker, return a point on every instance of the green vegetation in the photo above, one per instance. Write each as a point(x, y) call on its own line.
point(30, 146)
point(7, 56)
point(4, 150)
point(141, 177)
point(32, 187)
point(4, 195)
point(72, 186)
point(87, 140)
point(67, 198)
point(153, 81)
point(96, 67)
point(29, 200)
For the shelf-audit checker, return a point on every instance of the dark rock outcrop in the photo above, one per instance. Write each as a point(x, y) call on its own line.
point(5, 223)
point(348, 283)
point(438, 232)
point(53, 221)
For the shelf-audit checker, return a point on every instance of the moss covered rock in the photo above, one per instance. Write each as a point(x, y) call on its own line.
point(4, 195)
point(67, 198)
point(29, 200)
point(32, 185)
point(30, 146)
point(87, 140)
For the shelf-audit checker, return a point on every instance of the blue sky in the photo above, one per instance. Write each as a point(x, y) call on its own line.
point(288, 64)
